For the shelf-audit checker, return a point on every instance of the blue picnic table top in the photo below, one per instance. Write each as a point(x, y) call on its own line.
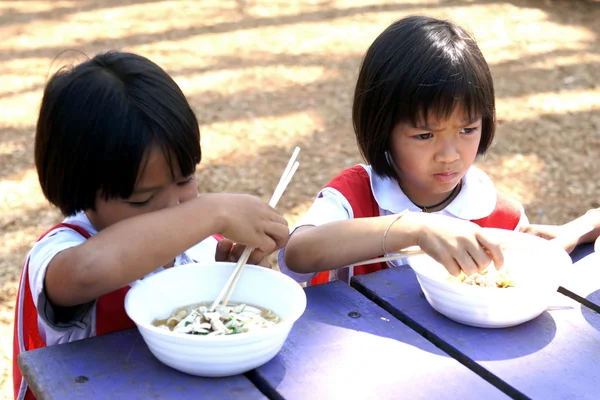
point(554, 356)
point(377, 338)
point(119, 366)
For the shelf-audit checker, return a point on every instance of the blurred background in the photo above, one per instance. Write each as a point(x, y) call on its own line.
point(265, 76)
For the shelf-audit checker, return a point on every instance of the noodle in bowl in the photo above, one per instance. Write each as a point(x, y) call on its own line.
point(534, 265)
point(159, 296)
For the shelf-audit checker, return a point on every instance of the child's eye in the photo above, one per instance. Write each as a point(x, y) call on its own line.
point(188, 180)
point(139, 203)
point(423, 136)
point(468, 131)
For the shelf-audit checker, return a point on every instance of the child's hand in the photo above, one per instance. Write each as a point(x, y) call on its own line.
point(558, 232)
point(458, 245)
point(248, 220)
point(229, 252)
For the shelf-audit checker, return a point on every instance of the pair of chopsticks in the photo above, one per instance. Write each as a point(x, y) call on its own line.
point(284, 181)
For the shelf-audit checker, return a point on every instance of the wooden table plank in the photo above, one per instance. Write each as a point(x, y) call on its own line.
point(119, 366)
point(582, 282)
point(345, 347)
point(555, 356)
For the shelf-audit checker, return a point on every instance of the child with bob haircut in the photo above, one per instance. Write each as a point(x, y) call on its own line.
point(116, 149)
point(423, 110)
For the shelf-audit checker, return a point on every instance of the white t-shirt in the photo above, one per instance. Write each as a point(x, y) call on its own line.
point(83, 324)
point(476, 200)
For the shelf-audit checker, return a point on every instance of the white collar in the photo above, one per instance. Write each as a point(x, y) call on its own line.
point(477, 198)
point(81, 219)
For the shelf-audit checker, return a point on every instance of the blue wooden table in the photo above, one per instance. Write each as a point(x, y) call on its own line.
point(554, 356)
point(347, 347)
point(119, 366)
point(379, 339)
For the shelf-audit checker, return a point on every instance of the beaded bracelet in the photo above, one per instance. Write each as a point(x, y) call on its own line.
point(400, 215)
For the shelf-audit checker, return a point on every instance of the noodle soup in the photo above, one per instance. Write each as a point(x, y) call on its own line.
point(232, 319)
point(502, 279)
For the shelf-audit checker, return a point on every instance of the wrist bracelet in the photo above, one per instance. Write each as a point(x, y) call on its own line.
point(400, 215)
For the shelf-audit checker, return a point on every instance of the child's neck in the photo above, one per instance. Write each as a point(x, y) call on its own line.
point(440, 205)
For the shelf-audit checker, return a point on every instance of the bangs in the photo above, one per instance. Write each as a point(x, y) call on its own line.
point(450, 88)
point(141, 128)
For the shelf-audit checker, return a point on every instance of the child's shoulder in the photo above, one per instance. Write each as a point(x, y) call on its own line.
point(72, 231)
point(359, 174)
point(480, 181)
point(489, 206)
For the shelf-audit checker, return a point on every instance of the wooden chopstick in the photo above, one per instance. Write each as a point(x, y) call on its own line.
point(284, 181)
point(395, 256)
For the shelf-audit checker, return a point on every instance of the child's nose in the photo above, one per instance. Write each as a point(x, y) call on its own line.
point(447, 153)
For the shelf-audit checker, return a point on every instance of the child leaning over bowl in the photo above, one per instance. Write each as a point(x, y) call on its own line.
point(116, 149)
point(423, 110)
point(567, 234)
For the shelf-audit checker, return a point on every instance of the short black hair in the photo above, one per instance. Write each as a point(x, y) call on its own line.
point(97, 122)
point(416, 68)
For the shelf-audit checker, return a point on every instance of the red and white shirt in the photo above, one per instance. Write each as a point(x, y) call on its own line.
point(358, 192)
point(35, 324)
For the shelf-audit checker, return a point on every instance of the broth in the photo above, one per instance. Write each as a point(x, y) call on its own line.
point(234, 318)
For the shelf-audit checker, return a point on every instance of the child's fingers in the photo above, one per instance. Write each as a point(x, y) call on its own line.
point(236, 252)
point(481, 257)
point(539, 230)
point(279, 234)
point(466, 263)
point(223, 249)
point(493, 250)
point(256, 257)
point(451, 266)
point(277, 217)
point(526, 229)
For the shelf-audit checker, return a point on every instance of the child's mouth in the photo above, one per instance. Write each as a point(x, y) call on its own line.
point(446, 176)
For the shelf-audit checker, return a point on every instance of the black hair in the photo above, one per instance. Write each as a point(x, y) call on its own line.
point(97, 122)
point(416, 68)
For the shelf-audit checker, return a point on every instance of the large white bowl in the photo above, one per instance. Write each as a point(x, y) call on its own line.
point(157, 296)
point(536, 266)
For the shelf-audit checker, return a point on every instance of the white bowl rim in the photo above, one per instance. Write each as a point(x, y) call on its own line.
point(566, 260)
point(283, 324)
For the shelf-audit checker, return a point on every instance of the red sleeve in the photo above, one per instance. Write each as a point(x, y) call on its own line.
point(355, 185)
point(506, 215)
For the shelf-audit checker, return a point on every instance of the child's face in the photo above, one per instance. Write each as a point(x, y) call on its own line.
point(155, 189)
point(432, 158)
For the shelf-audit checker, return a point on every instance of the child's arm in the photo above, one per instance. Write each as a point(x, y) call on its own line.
point(457, 244)
point(565, 234)
point(134, 247)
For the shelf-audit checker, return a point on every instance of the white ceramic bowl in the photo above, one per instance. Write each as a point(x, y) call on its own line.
point(535, 265)
point(157, 296)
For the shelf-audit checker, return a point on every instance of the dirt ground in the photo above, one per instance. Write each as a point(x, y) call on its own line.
point(265, 76)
